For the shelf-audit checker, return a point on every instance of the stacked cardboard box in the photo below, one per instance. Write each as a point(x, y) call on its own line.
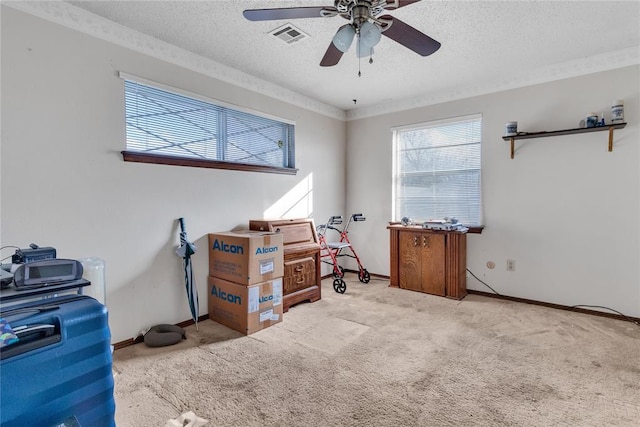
point(245, 279)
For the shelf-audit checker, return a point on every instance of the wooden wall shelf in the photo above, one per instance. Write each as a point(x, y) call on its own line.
point(544, 134)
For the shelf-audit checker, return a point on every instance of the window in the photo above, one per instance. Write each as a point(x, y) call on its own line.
point(171, 128)
point(437, 170)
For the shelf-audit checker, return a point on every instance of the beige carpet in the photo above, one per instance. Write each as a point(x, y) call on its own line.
point(378, 356)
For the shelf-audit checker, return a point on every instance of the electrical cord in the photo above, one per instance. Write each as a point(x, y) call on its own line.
point(494, 291)
point(627, 318)
point(8, 246)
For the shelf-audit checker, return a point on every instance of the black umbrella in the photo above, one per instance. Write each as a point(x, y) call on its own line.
point(185, 251)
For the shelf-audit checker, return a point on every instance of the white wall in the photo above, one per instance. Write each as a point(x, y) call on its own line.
point(565, 209)
point(64, 183)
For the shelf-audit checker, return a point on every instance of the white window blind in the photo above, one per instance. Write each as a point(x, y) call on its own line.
point(171, 124)
point(437, 170)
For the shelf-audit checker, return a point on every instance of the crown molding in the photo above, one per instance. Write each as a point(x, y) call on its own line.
point(589, 65)
point(78, 19)
point(69, 16)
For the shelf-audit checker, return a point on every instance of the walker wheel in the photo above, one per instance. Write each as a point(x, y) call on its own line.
point(339, 286)
point(339, 275)
point(364, 276)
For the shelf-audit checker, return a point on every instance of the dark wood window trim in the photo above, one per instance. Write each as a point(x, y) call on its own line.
point(133, 156)
point(473, 229)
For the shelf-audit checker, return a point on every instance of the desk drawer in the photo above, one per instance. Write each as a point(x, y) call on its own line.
point(299, 274)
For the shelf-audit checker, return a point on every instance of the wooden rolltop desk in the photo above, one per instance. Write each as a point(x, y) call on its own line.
point(301, 280)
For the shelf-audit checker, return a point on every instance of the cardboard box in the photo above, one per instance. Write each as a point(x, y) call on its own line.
point(246, 309)
point(246, 257)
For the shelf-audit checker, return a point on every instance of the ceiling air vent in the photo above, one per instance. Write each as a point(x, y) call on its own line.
point(289, 34)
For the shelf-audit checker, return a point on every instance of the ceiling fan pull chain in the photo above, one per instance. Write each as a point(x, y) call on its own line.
point(359, 56)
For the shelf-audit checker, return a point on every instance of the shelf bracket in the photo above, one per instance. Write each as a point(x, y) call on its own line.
point(611, 138)
point(513, 143)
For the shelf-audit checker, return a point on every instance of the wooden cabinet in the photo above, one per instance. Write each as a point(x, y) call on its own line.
point(301, 280)
point(429, 261)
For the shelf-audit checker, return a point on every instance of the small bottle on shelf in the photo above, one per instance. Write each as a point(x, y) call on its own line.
point(617, 111)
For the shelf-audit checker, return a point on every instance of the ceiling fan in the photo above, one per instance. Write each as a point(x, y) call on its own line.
point(366, 22)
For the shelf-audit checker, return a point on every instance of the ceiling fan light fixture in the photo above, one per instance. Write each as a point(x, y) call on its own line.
point(367, 20)
point(369, 34)
point(344, 37)
point(362, 51)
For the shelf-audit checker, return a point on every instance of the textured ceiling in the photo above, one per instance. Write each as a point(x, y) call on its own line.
point(486, 45)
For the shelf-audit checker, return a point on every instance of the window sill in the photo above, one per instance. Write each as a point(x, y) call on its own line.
point(473, 229)
point(133, 156)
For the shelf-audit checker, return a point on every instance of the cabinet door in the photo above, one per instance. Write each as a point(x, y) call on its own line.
point(422, 262)
point(410, 261)
point(433, 263)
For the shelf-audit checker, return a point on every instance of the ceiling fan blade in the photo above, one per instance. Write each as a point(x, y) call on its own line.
point(409, 37)
point(289, 13)
point(401, 3)
point(331, 56)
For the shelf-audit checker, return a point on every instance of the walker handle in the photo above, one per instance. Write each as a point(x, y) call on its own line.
point(336, 219)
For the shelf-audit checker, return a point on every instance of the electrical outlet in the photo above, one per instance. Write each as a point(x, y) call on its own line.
point(511, 265)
